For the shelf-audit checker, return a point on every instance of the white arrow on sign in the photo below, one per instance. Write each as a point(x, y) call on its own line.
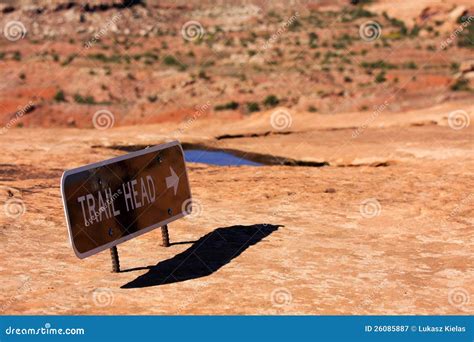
point(172, 181)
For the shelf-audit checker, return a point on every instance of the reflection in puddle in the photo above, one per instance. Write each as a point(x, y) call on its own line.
point(216, 158)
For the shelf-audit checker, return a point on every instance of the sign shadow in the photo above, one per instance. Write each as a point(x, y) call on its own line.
point(204, 257)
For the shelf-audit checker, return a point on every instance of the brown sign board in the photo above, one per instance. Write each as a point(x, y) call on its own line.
point(115, 200)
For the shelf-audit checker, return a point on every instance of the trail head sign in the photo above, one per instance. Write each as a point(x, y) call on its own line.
point(115, 200)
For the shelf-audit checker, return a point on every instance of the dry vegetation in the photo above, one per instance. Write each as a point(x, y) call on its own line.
point(135, 62)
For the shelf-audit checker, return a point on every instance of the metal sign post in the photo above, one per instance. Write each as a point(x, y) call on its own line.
point(165, 236)
point(115, 259)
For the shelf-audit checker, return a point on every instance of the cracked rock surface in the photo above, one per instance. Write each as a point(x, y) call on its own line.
point(394, 235)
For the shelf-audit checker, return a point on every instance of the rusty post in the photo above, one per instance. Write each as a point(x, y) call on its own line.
point(165, 236)
point(115, 259)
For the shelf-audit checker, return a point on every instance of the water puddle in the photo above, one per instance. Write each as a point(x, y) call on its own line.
point(216, 158)
point(199, 153)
